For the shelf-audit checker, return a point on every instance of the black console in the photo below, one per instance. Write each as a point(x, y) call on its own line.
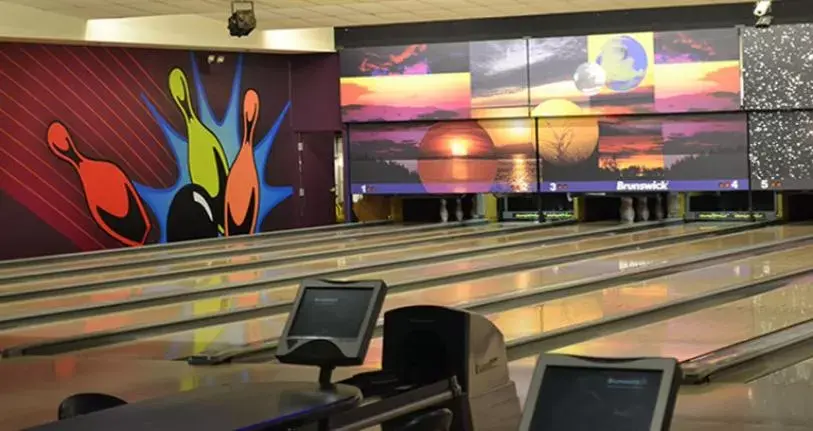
point(570, 393)
point(425, 346)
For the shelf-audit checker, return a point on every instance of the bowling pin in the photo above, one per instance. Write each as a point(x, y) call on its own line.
point(242, 197)
point(444, 213)
point(642, 208)
point(459, 210)
point(208, 167)
point(111, 198)
point(659, 212)
point(627, 212)
point(673, 205)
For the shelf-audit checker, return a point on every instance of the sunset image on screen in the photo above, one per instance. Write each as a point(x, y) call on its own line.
point(684, 87)
point(515, 152)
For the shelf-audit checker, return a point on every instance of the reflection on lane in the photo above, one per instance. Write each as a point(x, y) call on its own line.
point(542, 317)
point(102, 274)
point(272, 273)
point(102, 259)
point(707, 330)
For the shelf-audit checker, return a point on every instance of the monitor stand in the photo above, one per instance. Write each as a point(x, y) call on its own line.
point(326, 375)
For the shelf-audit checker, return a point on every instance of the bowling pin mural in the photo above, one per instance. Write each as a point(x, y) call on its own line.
point(208, 167)
point(112, 200)
point(243, 186)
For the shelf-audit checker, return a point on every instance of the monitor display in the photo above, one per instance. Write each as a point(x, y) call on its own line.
point(657, 153)
point(331, 313)
point(434, 81)
point(486, 156)
point(781, 150)
point(607, 74)
point(588, 399)
point(621, 74)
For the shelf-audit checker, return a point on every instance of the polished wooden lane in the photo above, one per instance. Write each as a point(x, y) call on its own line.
point(98, 259)
point(210, 261)
point(704, 331)
point(271, 273)
point(546, 316)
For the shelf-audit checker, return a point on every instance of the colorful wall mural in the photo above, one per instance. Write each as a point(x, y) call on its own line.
point(108, 147)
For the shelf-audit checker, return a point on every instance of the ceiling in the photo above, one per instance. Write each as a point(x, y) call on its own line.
point(280, 14)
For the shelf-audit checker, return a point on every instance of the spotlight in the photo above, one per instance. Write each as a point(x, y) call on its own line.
point(762, 8)
point(242, 20)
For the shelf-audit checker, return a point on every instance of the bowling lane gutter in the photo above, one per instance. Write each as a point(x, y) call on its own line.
point(44, 272)
point(264, 264)
point(484, 305)
point(753, 358)
point(150, 248)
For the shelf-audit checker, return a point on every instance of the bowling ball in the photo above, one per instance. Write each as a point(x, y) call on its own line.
point(456, 156)
point(191, 215)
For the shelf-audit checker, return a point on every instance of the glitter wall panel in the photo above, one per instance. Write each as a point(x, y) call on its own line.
point(778, 67)
point(781, 150)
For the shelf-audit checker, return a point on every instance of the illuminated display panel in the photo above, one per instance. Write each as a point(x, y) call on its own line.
point(619, 74)
point(704, 152)
point(664, 72)
point(443, 157)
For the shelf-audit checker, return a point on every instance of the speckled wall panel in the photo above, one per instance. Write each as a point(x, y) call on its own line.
point(781, 150)
point(778, 67)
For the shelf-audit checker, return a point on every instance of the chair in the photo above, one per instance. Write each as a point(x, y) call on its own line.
point(435, 420)
point(82, 404)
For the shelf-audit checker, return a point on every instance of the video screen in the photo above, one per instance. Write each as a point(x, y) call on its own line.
point(665, 72)
point(334, 313)
point(434, 81)
point(706, 152)
point(781, 150)
point(777, 68)
point(584, 399)
point(617, 74)
point(486, 156)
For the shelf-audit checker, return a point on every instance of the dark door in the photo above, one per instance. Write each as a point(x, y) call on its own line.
point(317, 195)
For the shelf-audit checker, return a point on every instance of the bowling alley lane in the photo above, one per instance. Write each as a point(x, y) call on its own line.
point(233, 277)
point(704, 331)
point(546, 316)
point(254, 252)
point(104, 258)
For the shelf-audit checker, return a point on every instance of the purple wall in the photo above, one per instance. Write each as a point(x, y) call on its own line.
point(315, 93)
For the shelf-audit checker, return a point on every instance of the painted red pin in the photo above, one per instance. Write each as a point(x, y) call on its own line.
point(112, 200)
point(243, 184)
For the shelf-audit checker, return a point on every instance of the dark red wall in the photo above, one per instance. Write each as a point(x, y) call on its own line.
point(103, 96)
